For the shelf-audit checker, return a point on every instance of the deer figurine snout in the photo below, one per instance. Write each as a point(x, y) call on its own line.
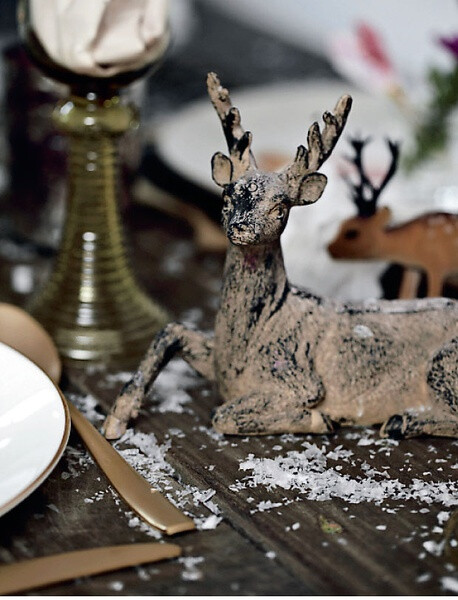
point(358, 237)
point(255, 209)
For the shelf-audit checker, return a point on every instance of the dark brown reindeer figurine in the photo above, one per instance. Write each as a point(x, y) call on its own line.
point(428, 243)
point(283, 359)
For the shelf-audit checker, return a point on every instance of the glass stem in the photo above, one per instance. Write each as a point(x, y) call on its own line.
point(91, 304)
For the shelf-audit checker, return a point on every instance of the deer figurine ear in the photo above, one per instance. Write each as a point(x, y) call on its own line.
point(383, 216)
point(222, 169)
point(310, 189)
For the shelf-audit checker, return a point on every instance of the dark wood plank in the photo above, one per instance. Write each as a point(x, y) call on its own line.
point(361, 560)
point(76, 508)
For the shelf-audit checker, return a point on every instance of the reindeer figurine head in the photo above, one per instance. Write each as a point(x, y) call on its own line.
point(357, 236)
point(256, 205)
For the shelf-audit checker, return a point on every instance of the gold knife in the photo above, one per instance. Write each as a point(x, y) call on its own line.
point(39, 572)
point(136, 491)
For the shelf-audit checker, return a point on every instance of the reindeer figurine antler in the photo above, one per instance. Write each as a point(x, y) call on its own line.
point(364, 193)
point(429, 242)
point(283, 359)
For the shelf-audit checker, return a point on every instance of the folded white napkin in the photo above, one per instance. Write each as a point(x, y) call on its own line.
point(100, 38)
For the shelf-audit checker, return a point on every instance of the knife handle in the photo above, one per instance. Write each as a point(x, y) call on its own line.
point(40, 572)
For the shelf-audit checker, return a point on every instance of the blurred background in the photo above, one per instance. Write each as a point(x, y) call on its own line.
point(285, 62)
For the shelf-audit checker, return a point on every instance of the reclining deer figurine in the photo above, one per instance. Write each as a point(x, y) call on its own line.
point(283, 359)
point(429, 242)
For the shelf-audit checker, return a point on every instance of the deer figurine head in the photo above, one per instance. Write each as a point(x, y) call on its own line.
point(256, 205)
point(357, 236)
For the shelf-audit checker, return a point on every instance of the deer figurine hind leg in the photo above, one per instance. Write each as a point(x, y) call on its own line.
point(442, 382)
point(264, 413)
point(284, 360)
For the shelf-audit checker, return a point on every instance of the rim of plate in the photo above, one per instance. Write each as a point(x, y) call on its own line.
point(7, 506)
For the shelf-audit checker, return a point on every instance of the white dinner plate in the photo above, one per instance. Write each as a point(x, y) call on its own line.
point(34, 427)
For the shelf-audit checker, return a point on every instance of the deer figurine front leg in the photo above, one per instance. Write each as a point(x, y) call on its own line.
point(283, 359)
point(174, 340)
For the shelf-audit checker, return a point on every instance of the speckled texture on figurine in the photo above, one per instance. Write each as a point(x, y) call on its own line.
point(283, 359)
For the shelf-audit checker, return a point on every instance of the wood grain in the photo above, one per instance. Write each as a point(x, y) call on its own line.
point(76, 508)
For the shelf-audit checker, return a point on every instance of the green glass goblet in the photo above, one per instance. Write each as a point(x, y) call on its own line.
point(91, 304)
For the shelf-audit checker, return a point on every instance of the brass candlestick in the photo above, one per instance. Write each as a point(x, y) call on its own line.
point(91, 304)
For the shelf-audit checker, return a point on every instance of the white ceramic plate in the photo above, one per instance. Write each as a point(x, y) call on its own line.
point(34, 427)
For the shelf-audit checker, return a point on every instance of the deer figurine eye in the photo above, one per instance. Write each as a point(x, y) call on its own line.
point(351, 234)
point(278, 211)
point(253, 187)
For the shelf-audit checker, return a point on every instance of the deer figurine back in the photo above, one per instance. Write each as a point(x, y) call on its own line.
point(428, 243)
point(283, 359)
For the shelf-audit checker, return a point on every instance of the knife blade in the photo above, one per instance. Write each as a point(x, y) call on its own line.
point(48, 570)
point(147, 502)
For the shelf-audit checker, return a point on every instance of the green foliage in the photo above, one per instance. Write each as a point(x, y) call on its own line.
point(432, 135)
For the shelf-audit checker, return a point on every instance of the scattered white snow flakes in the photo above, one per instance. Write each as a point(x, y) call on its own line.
point(443, 517)
point(210, 522)
point(169, 387)
point(174, 261)
point(87, 405)
point(176, 432)
point(213, 435)
point(365, 442)
point(450, 584)
point(434, 548)
point(191, 317)
point(78, 461)
point(314, 474)
point(22, 279)
point(267, 505)
point(114, 379)
point(190, 571)
point(148, 457)
point(116, 586)
point(136, 523)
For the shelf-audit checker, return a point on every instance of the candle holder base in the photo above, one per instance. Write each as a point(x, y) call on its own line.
point(115, 331)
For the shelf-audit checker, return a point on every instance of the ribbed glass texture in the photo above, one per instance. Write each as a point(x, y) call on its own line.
point(91, 304)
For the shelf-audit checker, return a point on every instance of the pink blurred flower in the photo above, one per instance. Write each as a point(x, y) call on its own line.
point(361, 57)
point(371, 45)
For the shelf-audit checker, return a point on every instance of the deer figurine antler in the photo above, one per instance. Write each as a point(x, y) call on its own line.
point(283, 359)
point(429, 242)
point(238, 141)
point(364, 193)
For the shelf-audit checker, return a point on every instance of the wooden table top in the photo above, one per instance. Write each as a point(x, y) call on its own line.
point(359, 515)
